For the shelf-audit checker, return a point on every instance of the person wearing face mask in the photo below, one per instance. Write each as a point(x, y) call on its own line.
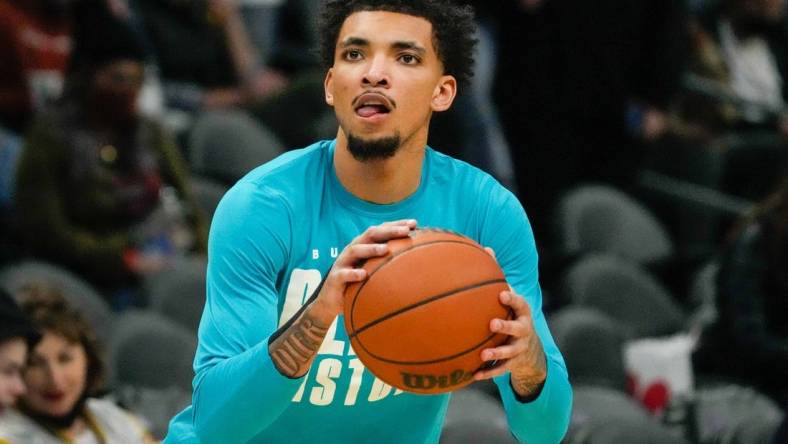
point(17, 335)
point(63, 375)
point(101, 189)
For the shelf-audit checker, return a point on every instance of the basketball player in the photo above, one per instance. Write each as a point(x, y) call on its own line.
point(273, 364)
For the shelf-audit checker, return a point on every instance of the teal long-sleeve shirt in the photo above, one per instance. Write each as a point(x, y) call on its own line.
point(273, 238)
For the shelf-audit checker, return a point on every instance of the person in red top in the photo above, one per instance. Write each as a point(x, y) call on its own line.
point(35, 45)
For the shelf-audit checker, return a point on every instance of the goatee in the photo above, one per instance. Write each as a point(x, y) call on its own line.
point(365, 150)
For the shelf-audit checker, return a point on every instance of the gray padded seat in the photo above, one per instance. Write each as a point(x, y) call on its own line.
point(626, 292)
point(225, 145)
point(475, 417)
point(148, 350)
point(179, 292)
point(598, 218)
point(592, 345)
point(78, 292)
point(208, 193)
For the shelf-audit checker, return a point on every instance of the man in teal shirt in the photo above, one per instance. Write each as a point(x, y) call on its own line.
point(274, 363)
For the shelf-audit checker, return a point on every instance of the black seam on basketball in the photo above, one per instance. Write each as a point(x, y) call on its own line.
point(391, 258)
point(446, 294)
point(431, 361)
point(413, 247)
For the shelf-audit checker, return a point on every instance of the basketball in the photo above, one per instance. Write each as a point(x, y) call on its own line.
point(421, 318)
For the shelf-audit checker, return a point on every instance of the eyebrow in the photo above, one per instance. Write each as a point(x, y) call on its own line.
point(354, 41)
point(409, 45)
point(358, 41)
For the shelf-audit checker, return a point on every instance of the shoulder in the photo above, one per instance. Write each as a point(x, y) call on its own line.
point(16, 428)
point(280, 170)
point(447, 170)
point(115, 421)
point(267, 201)
point(284, 179)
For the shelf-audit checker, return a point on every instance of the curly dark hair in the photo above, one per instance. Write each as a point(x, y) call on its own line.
point(46, 306)
point(454, 29)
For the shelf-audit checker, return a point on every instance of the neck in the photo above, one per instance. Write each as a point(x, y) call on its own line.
point(64, 422)
point(77, 428)
point(382, 181)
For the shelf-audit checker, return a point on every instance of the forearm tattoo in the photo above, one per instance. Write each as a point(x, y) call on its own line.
point(293, 351)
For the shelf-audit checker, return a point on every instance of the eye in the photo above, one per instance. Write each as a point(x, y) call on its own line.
point(353, 54)
point(65, 358)
point(409, 59)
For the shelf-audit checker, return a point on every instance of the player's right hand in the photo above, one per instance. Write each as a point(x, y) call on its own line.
point(371, 243)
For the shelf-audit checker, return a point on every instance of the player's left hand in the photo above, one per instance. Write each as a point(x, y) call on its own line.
point(522, 354)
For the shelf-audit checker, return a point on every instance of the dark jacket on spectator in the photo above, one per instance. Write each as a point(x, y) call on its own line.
point(749, 340)
point(81, 193)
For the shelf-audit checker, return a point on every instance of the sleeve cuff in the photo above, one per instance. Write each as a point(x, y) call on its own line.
point(531, 397)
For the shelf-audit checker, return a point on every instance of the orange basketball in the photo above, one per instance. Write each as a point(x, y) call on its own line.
point(422, 317)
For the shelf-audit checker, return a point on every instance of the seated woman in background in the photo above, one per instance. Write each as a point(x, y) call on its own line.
point(101, 189)
point(749, 340)
point(17, 335)
point(64, 373)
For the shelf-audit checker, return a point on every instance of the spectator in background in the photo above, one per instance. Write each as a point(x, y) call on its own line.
point(209, 62)
point(739, 64)
point(101, 189)
point(35, 44)
point(749, 340)
point(17, 334)
point(187, 34)
point(64, 374)
point(583, 83)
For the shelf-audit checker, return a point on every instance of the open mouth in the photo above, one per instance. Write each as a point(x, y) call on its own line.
point(54, 396)
point(372, 104)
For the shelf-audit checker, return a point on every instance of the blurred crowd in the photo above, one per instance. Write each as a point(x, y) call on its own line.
point(646, 139)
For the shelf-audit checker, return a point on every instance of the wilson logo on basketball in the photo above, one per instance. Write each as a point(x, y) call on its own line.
point(426, 382)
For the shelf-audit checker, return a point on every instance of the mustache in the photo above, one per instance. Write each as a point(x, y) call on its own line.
point(377, 93)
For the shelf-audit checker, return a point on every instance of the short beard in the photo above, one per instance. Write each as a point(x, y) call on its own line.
point(370, 150)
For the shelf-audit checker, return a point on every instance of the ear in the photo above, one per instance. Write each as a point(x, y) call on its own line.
point(328, 87)
point(444, 93)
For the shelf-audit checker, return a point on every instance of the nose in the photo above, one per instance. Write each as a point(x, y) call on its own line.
point(54, 377)
point(19, 387)
point(377, 74)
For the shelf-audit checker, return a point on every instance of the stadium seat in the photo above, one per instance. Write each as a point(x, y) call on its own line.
point(594, 403)
point(148, 350)
point(599, 218)
point(626, 292)
point(150, 361)
point(592, 345)
point(208, 193)
point(78, 292)
point(623, 430)
point(475, 417)
point(179, 293)
point(228, 144)
point(733, 414)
